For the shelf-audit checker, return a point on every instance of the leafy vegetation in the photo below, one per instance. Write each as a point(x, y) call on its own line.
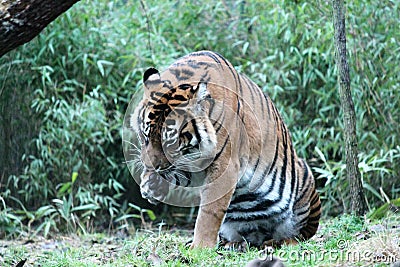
point(63, 98)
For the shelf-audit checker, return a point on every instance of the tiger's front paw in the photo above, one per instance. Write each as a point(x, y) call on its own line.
point(203, 244)
point(154, 187)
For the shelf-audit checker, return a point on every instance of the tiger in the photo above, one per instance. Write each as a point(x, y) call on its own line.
point(202, 122)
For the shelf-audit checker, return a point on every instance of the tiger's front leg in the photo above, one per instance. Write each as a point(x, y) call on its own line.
point(215, 199)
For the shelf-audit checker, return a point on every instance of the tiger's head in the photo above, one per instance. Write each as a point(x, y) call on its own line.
point(176, 135)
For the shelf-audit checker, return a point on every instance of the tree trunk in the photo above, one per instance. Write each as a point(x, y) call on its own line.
point(358, 204)
point(22, 20)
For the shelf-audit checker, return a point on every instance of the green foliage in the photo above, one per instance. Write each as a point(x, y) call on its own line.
point(63, 98)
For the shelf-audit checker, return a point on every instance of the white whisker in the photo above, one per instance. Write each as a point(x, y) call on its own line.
point(132, 144)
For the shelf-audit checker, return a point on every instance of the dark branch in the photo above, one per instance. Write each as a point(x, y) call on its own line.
point(22, 20)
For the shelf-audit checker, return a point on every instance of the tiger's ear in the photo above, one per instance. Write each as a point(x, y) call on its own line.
point(151, 77)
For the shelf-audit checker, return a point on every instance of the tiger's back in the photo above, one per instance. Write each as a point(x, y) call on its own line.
point(255, 187)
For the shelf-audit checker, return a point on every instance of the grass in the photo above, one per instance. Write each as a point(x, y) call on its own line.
point(344, 241)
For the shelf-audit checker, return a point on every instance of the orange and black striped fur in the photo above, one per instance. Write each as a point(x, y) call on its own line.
point(201, 118)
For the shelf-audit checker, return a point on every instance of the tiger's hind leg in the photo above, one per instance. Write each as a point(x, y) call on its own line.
point(239, 246)
point(243, 246)
point(278, 244)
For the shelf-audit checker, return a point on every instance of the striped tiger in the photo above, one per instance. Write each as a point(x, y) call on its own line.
point(202, 124)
